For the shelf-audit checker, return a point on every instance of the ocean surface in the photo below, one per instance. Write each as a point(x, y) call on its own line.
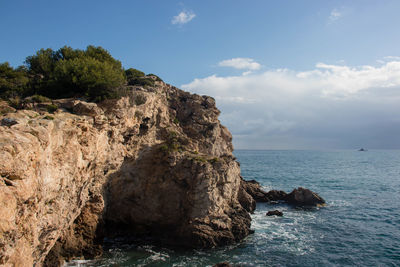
point(359, 226)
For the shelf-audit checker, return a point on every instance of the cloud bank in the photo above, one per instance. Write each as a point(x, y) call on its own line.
point(331, 106)
point(183, 17)
point(240, 63)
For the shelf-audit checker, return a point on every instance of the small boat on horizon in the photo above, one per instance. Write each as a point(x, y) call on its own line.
point(362, 149)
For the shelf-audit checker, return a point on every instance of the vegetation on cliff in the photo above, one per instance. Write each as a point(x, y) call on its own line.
point(13, 82)
point(92, 73)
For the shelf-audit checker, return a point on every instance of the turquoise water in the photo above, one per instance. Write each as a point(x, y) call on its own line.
point(360, 226)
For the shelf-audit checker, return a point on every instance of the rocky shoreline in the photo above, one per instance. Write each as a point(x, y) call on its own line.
point(155, 162)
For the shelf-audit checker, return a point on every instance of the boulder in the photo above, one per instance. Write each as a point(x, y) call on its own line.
point(85, 108)
point(253, 188)
point(276, 195)
point(5, 108)
point(304, 197)
point(65, 103)
point(274, 212)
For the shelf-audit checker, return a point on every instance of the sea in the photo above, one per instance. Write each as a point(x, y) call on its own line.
point(359, 226)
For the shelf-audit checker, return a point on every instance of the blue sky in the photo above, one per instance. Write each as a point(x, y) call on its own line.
point(249, 43)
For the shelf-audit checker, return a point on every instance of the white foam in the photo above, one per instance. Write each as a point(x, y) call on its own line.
point(291, 232)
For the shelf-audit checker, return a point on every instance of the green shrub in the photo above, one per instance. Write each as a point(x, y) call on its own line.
point(133, 73)
point(164, 148)
point(137, 77)
point(87, 76)
point(47, 117)
point(141, 81)
point(172, 135)
point(39, 99)
point(200, 159)
point(51, 108)
point(172, 143)
point(214, 160)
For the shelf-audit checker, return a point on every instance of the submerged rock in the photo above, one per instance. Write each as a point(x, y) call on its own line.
point(274, 212)
point(304, 197)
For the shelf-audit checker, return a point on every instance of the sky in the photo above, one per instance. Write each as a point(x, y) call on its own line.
point(307, 74)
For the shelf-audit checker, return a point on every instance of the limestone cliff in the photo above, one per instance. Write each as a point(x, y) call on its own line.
point(156, 161)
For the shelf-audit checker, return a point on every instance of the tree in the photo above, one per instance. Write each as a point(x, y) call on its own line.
point(68, 72)
point(12, 81)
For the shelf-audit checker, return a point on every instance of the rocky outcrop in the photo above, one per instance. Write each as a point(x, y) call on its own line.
point(245, 199)
point(298, 197)
point(274, 213)
point(253, 188)
point(304, 197)
point(155, 161)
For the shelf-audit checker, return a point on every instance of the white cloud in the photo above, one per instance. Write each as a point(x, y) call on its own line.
point(396, 58)
point(330, 106)
point(183, 17)
point(240, 63)
point(247, 73)
point(335, 15)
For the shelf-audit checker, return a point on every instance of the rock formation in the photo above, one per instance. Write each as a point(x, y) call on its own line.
point(253, 188)
point(304, 197)
point(274, 213)
point(155, 161)
point(298, 197)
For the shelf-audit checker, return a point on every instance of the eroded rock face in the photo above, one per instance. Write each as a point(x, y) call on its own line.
point(185, 195)
point(245, 198)
point(156, 159)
